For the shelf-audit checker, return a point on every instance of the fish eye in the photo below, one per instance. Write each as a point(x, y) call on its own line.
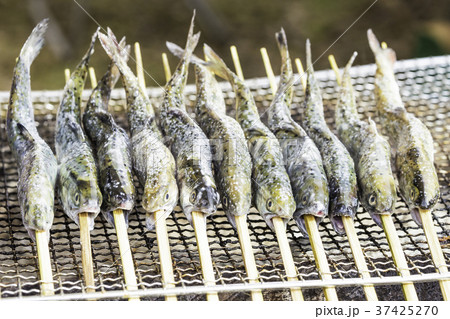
point(167, 196)
point(77, 199)
point(372, 200)
point(193, 196)
point(414, 193)
point(269, 204)
point(305, 199)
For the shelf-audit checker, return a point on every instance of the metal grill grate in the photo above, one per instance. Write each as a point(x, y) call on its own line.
point(425, 87)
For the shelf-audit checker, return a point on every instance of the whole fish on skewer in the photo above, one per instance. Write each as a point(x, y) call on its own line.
point(77, 176)
point(370, 152)
point(36, 161)
point(337, 162)
point(232, 161)
point(302, 158)
point(153, 162)
point(271, 186)
point(190, 146)
point(111, 146)
point(410, 139)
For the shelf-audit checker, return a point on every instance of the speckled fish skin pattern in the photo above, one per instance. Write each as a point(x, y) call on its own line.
point(411, 141)
point(337, 162)
point(302, 158)
point(77, 176)
point(36, 162)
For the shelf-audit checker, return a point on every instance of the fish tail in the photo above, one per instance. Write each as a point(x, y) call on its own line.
point(346, 73)
point(85, 60)
point(309, 64)
point(192, 41)
point(217, 65)
point(282, 44)
point(34, 43)
point(378, 51)
point(178, 51)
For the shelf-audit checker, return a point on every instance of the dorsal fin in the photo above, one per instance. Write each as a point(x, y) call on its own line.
point(76, 129)
point(25, 133)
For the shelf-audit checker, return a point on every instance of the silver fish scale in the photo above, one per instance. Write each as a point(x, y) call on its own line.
point(425, 92)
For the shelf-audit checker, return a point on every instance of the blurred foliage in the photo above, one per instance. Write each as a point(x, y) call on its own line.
point(411, 27)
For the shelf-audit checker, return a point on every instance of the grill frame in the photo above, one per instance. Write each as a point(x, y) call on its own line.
point(425, 88)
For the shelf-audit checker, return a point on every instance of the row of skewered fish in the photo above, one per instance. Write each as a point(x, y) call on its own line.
point(288, 169)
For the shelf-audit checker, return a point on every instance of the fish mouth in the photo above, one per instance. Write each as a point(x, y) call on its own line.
point(336, 217)
point(187, 210)
point(150, 221)
point(300, 220)
point(376, 216)
point(415, 214)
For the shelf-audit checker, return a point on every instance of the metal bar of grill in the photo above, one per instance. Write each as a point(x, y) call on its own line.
point(425, 87)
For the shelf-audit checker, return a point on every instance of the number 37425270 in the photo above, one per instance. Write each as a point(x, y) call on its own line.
point(407, 310)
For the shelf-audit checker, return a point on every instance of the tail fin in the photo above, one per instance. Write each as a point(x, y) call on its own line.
point(115, 72)
point(217, 65)
point(115, 52)
point(347, 68)
point(282, 44)
point(34, 43)
point(377, 50)
point(178, 51)
point(90, 51)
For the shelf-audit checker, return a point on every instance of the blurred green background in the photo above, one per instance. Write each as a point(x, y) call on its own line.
point(413, 28)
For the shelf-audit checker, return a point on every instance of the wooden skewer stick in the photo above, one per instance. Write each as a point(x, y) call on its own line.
point(399, 257)
point(350, 226)
point(45, 267)
point(436, 250)
point(85, 240)
point(165, 258)
point(199, 223)
point(166, 67)
point(313, 232)
point(204, 253)
point(121, 232)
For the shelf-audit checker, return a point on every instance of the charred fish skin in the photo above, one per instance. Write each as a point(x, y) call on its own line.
point(369, 150)
point(271, 186)
point(189, 144)
point(231, 158)
point(409, 138)
point(111, 146)
point(77, 177)
point(152, 161)
point(302, 158)
point(36, 162)
point(337, 162)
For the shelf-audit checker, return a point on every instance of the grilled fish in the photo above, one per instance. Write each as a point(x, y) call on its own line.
point(337, 162)
point(410, 139)
point(301, 156)
point(231, 159)
point(189, 145)
point(153, 163)
point(271, 187)
point(77, 176)
point(369, 150)
point(111, 146)
point(36, 161)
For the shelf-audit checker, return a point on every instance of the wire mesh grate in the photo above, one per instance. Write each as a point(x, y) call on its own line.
point(425, 87)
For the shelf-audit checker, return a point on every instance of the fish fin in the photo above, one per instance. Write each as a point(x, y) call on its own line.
point(284, 87)
point(178, 51)
point(347, 68)
point(309, 64)
point(106, 119)
point(376, 48)
point(76, 129)
point(34, 43)
point(372, 126)
point(281, 39)
point(192, 40)
point(216, 64)
point(25, 133)
point(90, 51)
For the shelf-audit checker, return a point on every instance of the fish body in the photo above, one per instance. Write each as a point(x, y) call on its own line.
point(36, 162)
point(231, 158)
point(411, 141)
point(153, 162)
point(301, 156)
point(189, 144)
point(337, 162)
point(271, 186)
point(77, 176)
point(111, 146)
point(369, 150)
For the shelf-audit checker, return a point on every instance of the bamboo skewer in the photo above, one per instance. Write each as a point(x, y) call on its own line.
point(85, 240)
point(435, 250)
point(389, 228)
point(349, 226)
point(199, 223)
point(310, 221)
point(45, 267)
point(165, 258)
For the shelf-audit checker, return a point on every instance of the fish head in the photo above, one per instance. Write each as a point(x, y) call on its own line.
point(119, 191)
point(275, 199)
point(160, 193)
point(79, 191)
point(311, 199)
point(37, 204)
point(418, 182)
point(379, 195)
